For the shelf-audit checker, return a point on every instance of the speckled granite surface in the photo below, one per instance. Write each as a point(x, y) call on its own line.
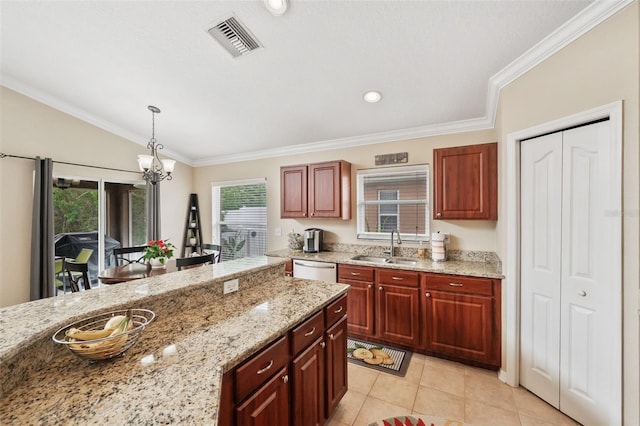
point(174, 372)
point(474, 264)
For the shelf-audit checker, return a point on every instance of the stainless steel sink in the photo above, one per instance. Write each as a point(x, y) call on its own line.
point(392, 260)
point(374, 259)
point(402, 261)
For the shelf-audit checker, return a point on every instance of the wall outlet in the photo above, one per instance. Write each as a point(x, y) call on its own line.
point(230, 286)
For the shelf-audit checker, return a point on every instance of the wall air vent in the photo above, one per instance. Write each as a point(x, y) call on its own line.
point(234, 36)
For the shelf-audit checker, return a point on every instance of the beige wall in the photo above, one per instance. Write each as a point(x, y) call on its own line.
point(599, 68)
point(29, 128)
point(468, 235)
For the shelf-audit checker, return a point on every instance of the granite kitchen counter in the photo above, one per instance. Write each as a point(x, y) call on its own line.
point(173, 374)
point(478, 266)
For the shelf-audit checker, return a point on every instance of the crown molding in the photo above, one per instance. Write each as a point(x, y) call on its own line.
point(342, 143)
point(65, 107)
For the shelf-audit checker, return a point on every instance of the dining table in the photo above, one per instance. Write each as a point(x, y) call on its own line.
point(134, 271)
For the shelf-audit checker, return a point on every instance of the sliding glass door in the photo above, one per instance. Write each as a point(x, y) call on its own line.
point(97, 215)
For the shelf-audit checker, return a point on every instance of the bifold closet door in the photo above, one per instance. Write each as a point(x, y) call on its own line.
point(568, 353)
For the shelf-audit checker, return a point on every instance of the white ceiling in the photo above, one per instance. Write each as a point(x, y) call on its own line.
point(105, 61)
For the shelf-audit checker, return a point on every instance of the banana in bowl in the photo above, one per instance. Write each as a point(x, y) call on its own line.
point(106, 335)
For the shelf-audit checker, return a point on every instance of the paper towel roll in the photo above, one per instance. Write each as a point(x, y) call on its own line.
point(438, 247)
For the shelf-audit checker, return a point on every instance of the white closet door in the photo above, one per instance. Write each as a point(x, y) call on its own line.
point(588, 362)
point(570, 247)
point(541, 192)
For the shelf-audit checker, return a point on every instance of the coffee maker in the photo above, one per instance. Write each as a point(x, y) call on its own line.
point(312, 240)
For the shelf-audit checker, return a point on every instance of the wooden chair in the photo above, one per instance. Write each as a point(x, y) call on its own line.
point(190, 262)
point(213, 247)
point(76, 272)
point(121, 251)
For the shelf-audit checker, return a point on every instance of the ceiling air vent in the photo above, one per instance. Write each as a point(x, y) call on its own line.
point(234, 36)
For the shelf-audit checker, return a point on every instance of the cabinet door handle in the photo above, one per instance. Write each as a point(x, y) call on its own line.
point(438, 214)
point(310, 332)
point(355, 273)
point(262, 370)
point(380, 288)
point(331, 336)
point(397, 278)
point(582, 293)
point(428, 294)
point(304, 215)
point(323, 344)
point(285, 378)
point(337, 311)
point(369, 286)
point(455, 284)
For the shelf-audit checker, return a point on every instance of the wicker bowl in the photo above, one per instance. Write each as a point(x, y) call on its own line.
point(108, 347)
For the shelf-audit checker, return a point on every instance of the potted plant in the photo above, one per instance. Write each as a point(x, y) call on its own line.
point(192, 238)
point(158, 252)
point(295, 241)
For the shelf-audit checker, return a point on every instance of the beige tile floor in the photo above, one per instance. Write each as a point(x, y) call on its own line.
point(444, 389)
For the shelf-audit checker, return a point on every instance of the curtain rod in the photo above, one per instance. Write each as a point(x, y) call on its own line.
point(3, 155)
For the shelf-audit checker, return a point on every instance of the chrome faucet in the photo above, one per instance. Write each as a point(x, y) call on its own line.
point(399, 240)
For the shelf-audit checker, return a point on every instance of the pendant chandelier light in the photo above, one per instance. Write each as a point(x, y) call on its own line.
point(152, 167)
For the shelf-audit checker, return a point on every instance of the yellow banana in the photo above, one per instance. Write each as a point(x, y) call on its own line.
point(74, 333)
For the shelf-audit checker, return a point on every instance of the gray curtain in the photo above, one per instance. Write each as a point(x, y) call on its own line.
point(153, 211)
point(42, 250)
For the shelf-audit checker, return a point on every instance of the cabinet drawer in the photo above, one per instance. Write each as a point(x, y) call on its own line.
point(335, 311)
point(261, 367)
point(304, 334)
point(397, 277)
point(459, 284)
point(350, 272)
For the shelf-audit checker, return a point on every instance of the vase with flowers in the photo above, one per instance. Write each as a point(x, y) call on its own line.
point(158, 252)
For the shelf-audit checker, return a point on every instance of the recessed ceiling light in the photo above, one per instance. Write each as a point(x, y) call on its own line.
point(372, 96)
point(276, 7)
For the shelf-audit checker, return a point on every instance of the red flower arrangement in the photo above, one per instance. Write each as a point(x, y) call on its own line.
point(159, 249)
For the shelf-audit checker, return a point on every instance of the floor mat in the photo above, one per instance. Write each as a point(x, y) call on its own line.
point(418, 421)
point(379, 357)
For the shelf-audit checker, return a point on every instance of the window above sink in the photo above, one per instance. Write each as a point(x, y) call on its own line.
point(391, 198)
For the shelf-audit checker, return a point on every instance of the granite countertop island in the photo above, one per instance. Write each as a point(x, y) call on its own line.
point(173, 374)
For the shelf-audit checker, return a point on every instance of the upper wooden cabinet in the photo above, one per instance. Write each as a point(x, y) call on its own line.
point(465, 182)
point(320, 190)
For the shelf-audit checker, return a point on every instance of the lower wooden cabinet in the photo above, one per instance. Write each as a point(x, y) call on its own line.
point(269, 405)
point(336, 338)
point(297, 380)
point(451, 316)
point(308, 385)
point(461, 318)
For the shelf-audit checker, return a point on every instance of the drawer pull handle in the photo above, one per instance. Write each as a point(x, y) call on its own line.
point(310, 332)
point(397, 278)
point(455, 284)
point(266, 368)
point(355, 273)
point(337, 311)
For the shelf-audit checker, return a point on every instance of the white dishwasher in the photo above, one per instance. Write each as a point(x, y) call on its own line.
point(313, 270)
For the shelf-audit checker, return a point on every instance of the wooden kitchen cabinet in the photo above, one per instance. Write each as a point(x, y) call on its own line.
point(398, 307)
point(465, 182)
point(308, 385)
point(337, 385)
point(461, 318)
point(298, 379)
point(319, 190)
point(269, 405)
point(360, 298)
